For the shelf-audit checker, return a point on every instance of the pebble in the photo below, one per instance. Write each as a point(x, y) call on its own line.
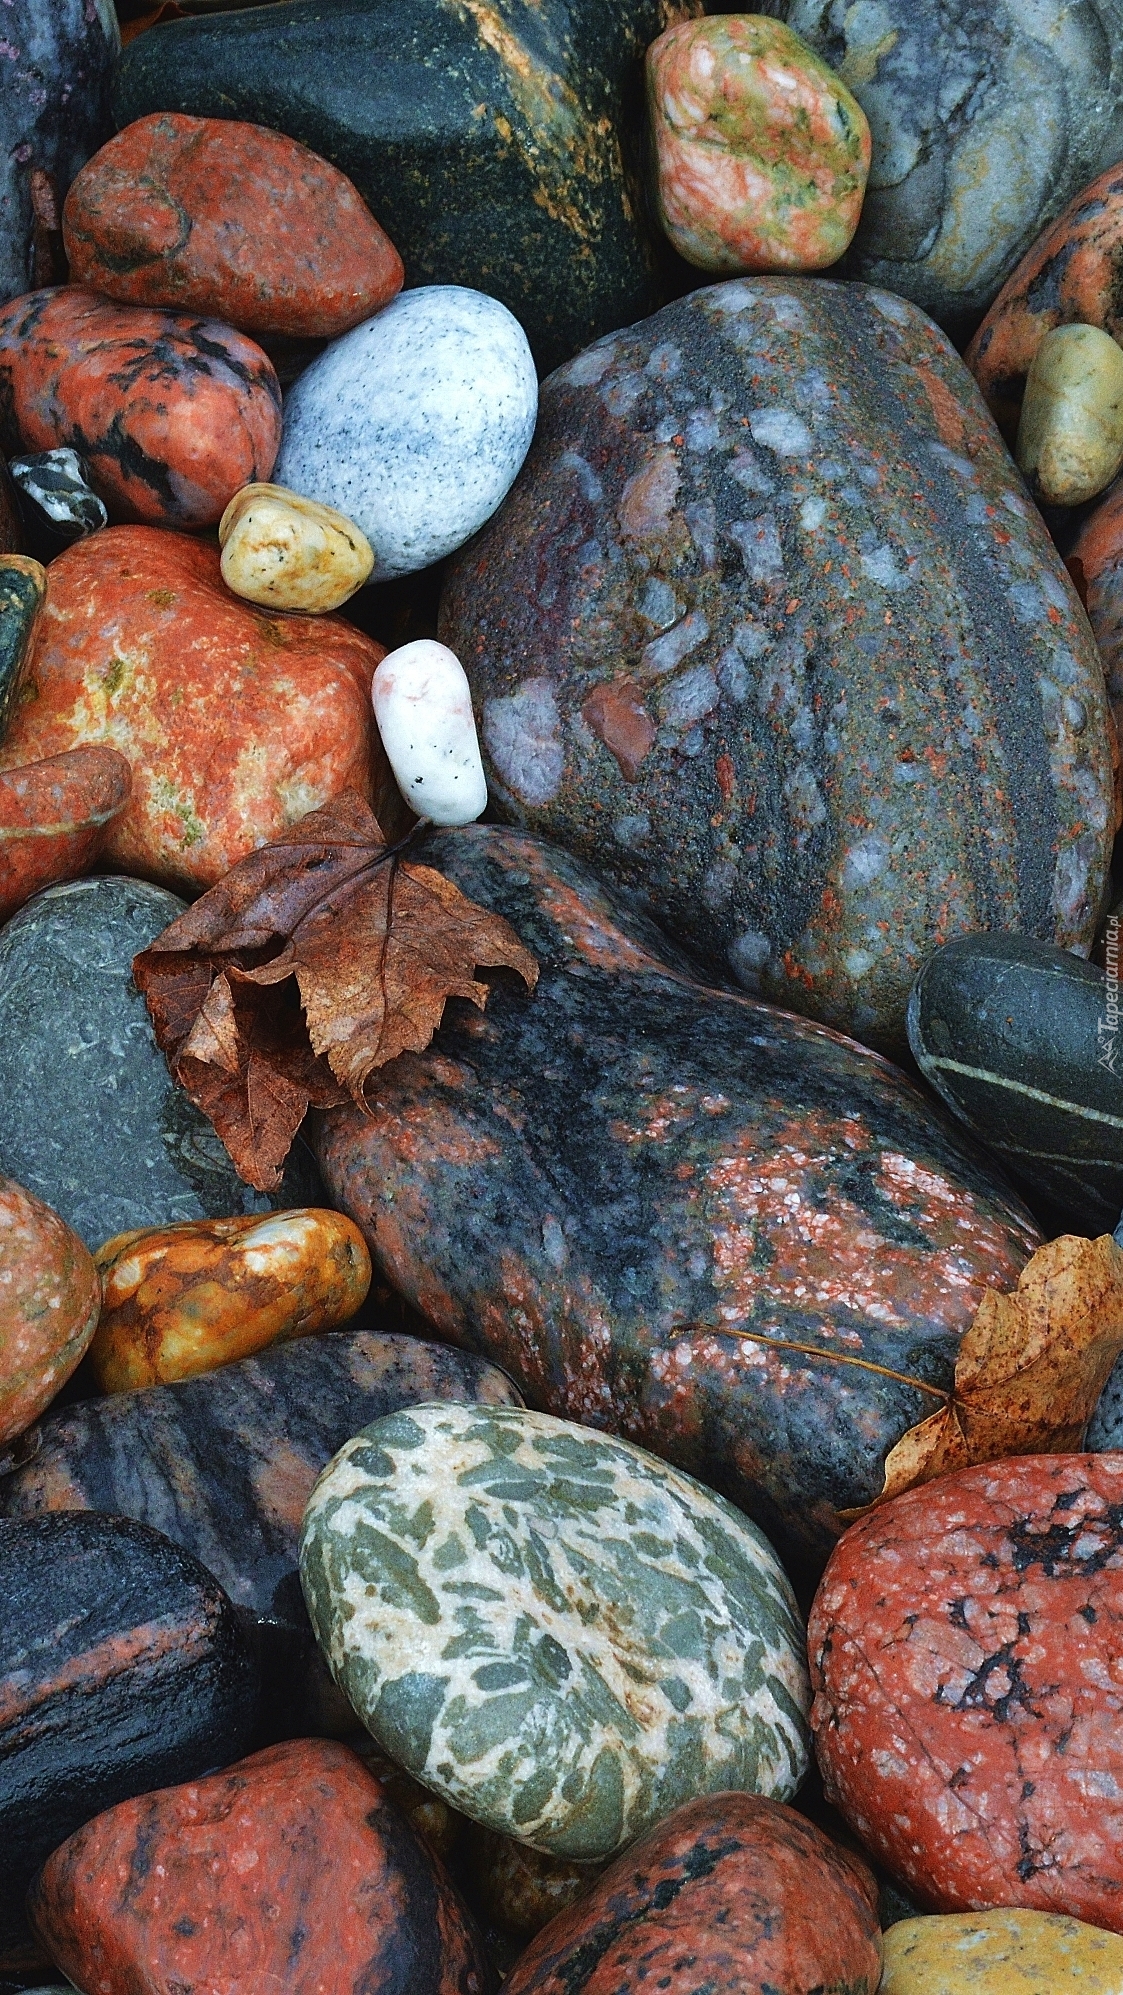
point(423, 708)
point(1001, 1953)
point(762, 153)
point(964, 1650)
point(555, 1631)
point(1070, 436)
point(415, 424)
point(521, 1889)
point(55, 818)
point(50, 1296)
point(58, 502)
point(172, 413)
point(289, 553)
point(289, 1870)
point(1096, 562)
point(179, 1300)
point(23, 586)
point(229, 220)
point(59, 59)
point(11, 527)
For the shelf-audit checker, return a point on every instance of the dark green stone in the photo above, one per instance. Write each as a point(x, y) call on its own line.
point(1025, 1045)
point(497, 141)
point(21, 594)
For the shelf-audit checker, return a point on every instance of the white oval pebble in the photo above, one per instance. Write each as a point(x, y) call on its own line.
point(415, 424)
point(423, 706)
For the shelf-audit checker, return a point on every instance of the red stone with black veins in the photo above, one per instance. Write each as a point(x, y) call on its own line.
point(730, 1894)
point(290, 1871)
point(232, 220)
point(966, 1650)
point(172, 413)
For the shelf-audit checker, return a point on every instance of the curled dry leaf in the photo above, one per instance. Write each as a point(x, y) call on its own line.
point(1029, 1371)
point(316, 960)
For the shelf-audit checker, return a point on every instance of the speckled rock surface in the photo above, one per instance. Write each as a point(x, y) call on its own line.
point(692, 633)
point(561, 1635)
point(54, 112)
point(1096, 561)
point(23, 586)
point(1001, 1953)
point(964, 1647)
point(742, 1241)
point(415, 424)
point(50, 1296)
point(986, 118)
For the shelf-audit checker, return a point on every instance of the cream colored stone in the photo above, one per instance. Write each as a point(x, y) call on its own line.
point(291, 553)
point(1001, 1953)
point(423, 706)
point(1070, 439)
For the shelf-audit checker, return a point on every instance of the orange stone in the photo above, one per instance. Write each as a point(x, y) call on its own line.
point(231, 220)
point(50, 1295)
point(55, 817)
point(179, 1300)
point(235, 723)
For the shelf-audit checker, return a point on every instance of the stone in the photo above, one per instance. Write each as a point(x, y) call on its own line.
point(692, 631)
point(170, 212)
point(122, 1666)
point(55, 111)
point(436, 1823)
point(1096, 563)
point(730, 1893)
point(520, 1889)
point(761, 152)
point(1001, 1953)
point(1070, 437)
point(743, 1243)
point(235, 724)
point(50, 1296)
point(1016, 1037)
point(423, 708)
point(290, 1870)
point(557, 1632)
point(59, 504)
point(11, 526)
point(289, 553)
point(23, 586)
point(225, 1464)
point(964, 1649)
point(500, 147)
point(415, 424)
point(1105, 1428)
point(985, 122)
point(179, 1300)
point(90, 1118)
point(172, 413)
point(1071, 275)
point(55, 817)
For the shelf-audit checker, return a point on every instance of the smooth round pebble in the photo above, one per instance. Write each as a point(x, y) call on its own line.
point(50, 1296)
point(416, 424)
point(1070, 438)
point(561, 1635)
point(290, 553)
point(423, 706)
point(1001, 1953)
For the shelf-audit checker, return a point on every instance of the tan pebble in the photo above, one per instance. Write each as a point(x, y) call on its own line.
point(291, 553)
point(1070, 438)
point(1001, 1953)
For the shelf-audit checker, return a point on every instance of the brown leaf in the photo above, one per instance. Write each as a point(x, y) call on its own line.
point(1030, 1368)
point(316, 960)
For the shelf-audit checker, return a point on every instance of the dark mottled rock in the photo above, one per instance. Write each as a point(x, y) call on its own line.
point(122, 1666)
point(498, 142)
point(714, 1228)
point(1025, 1045)
point(56, 500)
point(23, 585)
point(90, 1118)
point(224, 1465)
point(54, 112)
point(11, 525)
point(693, 633)
point(987, 116)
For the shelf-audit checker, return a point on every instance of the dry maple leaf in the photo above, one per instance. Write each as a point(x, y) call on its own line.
point(317, 959)
point(1030, 1368)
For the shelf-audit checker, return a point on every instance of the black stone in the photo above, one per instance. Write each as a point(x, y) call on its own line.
point(54, 113)
point(21, 596)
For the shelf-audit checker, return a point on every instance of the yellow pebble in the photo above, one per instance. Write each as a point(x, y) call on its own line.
point(1070, 438)
point(291, 553)
point(1001, 1953)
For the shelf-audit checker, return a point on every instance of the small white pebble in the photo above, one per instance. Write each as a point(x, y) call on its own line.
point(423, 707)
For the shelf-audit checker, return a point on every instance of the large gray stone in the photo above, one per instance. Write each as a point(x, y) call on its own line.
point(56, 65)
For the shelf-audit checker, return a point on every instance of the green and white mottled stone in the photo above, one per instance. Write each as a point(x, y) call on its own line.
point(561, 1635)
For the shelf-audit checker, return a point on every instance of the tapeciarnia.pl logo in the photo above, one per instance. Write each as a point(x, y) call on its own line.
point(1107, 1028)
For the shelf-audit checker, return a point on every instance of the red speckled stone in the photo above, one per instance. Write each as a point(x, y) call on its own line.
point(730, 1894)
point(232, 220)
point(235, 723)
point(966, 1651)
point(290, 1871)
point(50, 1296)
point(171, 413)
point(54, 819)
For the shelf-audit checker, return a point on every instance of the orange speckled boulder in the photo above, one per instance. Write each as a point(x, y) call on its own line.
point(172, 413)
point(290, 1871)
point(50, 1295)
point(235, 723)
point(179, 1300)
point(231, 220)
point(55, 817)
point(966, 1650)
point(730, 1893)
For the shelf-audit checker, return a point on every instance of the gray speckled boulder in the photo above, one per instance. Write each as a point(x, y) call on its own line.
point(90, 1118)
point(56, 65)
point(563, 1636)
point(987, 116)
